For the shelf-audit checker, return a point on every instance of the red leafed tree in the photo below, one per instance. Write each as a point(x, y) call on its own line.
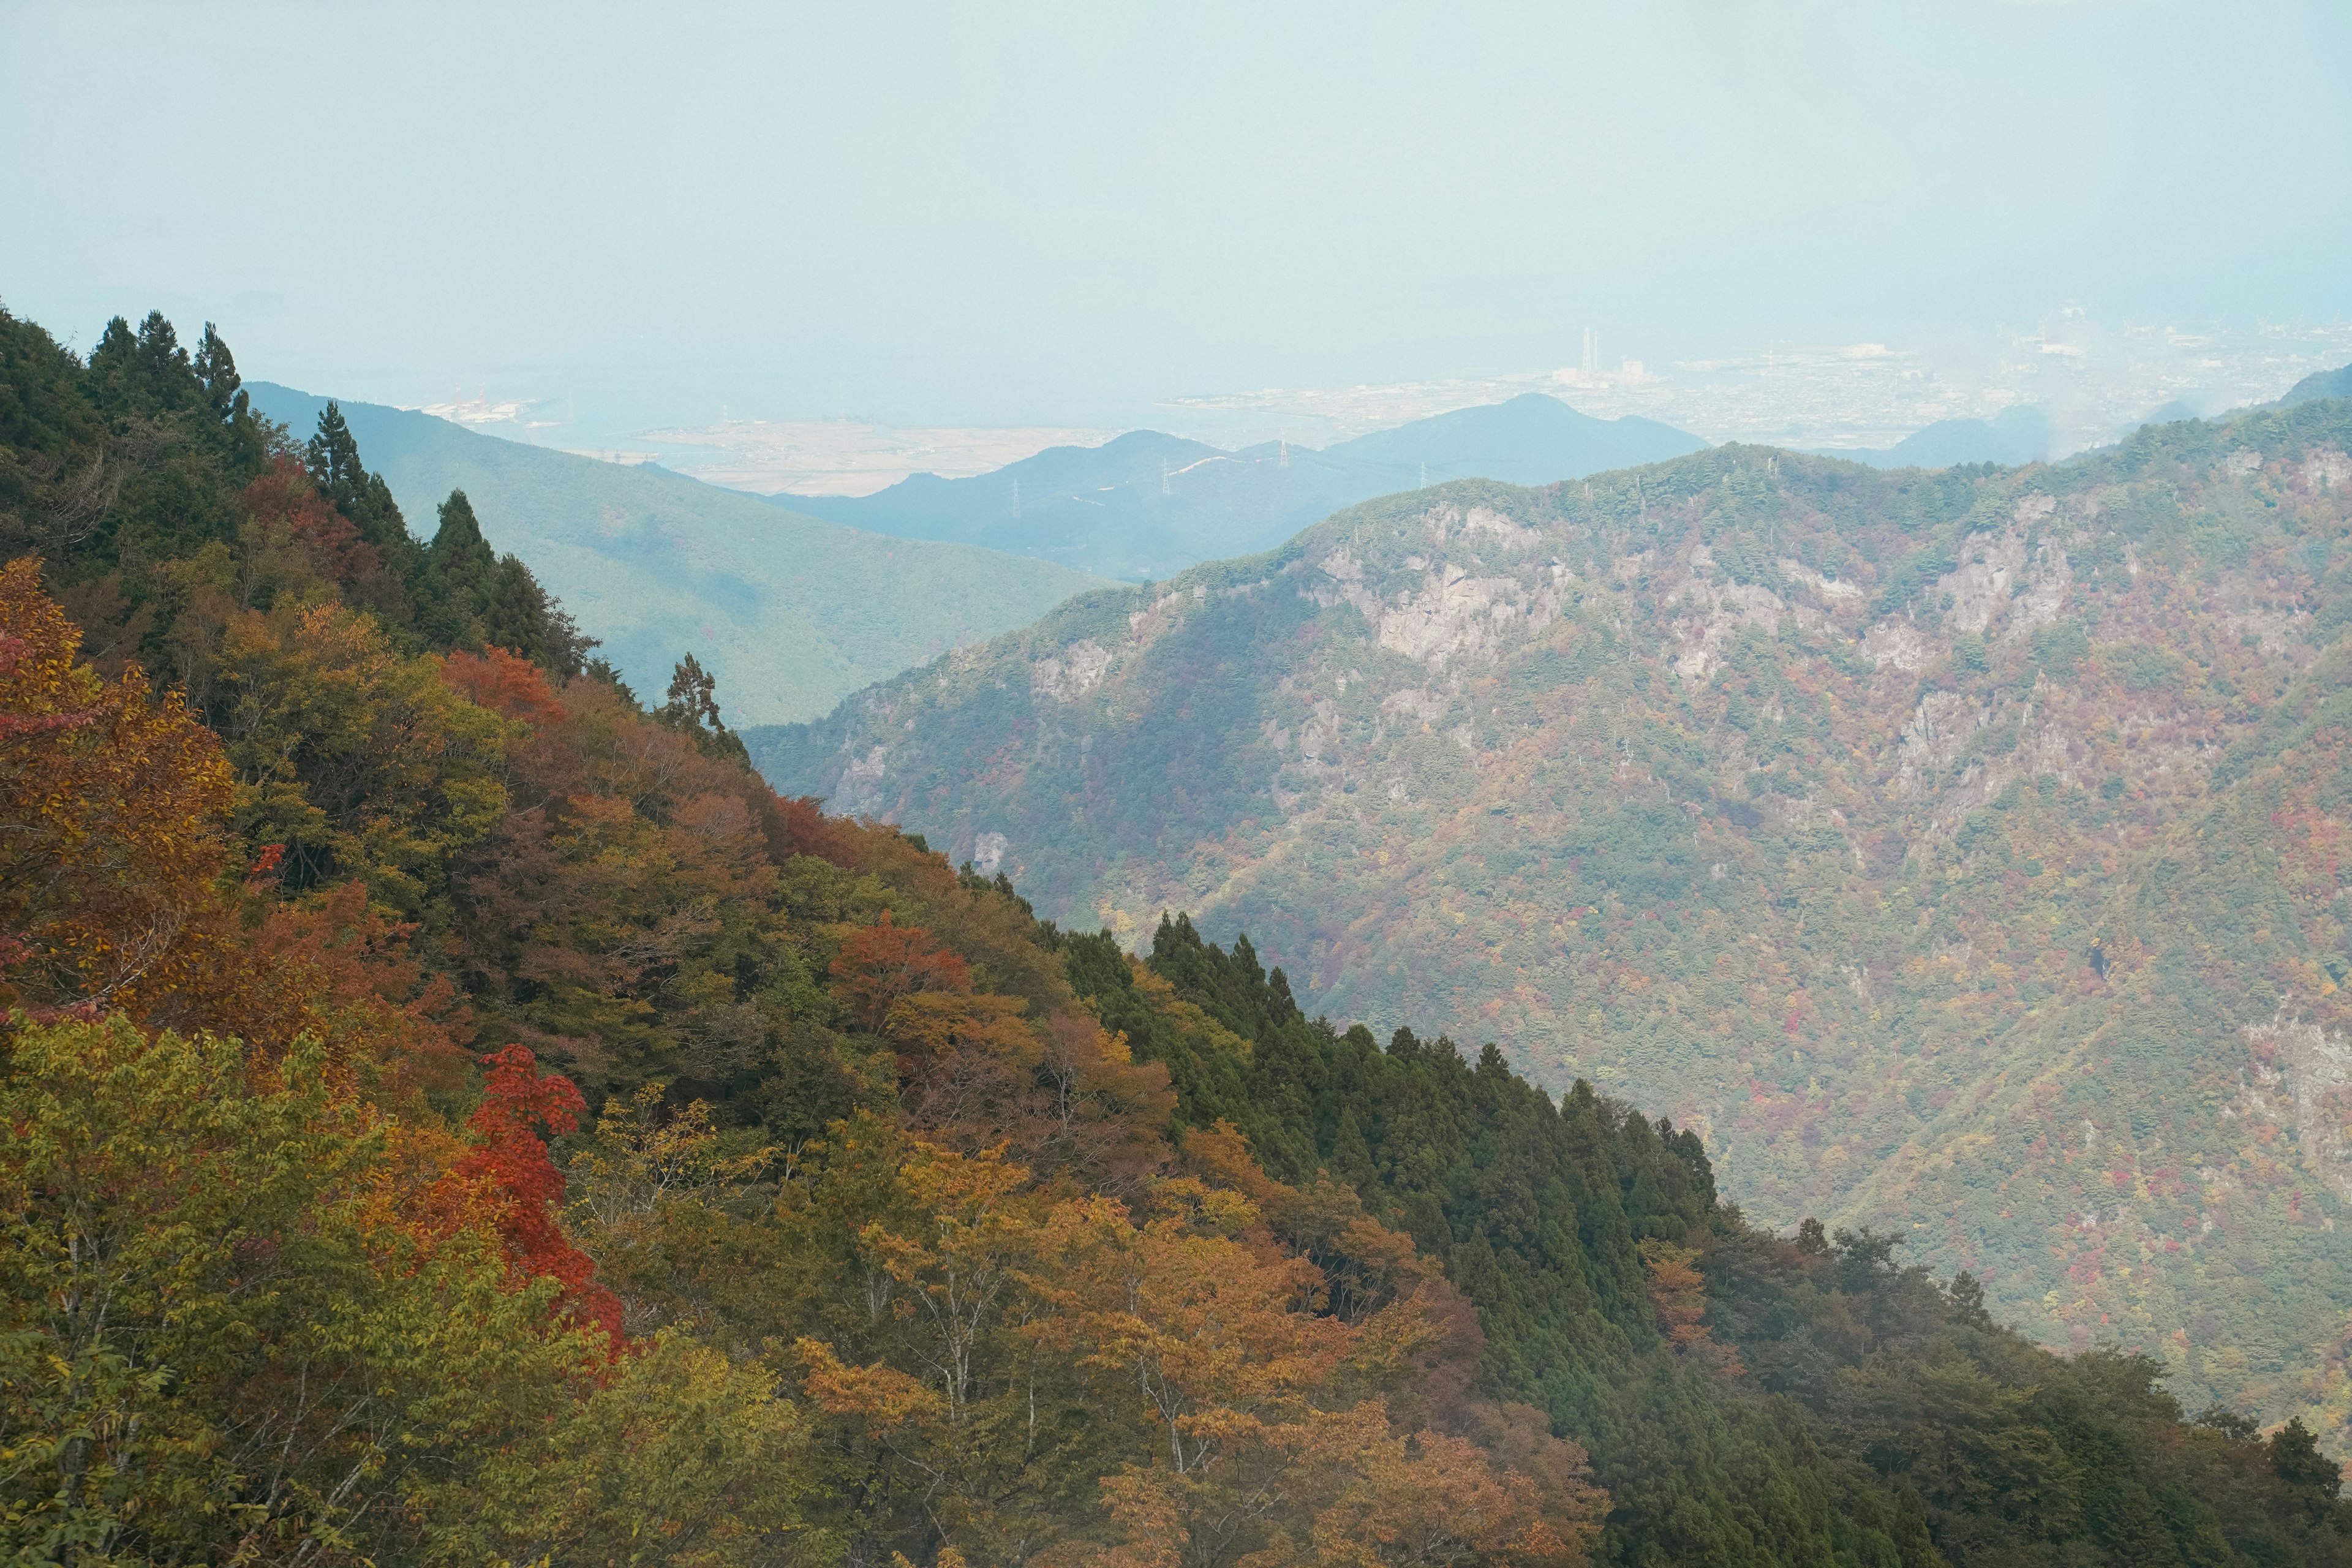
point(795, 825)
point(879, 963)
point(285, 497)
point(505, 683)
point(509, 1158)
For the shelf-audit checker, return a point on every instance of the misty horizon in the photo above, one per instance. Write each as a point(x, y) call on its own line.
point(802, 215)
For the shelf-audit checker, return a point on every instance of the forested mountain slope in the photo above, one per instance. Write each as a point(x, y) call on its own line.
point(1147, 505)
point(1957, 852)
point(868, 1219)
point(789, 612)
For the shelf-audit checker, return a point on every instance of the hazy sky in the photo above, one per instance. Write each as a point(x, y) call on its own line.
point(1020, 212)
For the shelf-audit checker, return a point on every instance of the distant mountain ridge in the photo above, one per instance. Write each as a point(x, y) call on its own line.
point(1959, 852)
point(2026, 434)
point(1147, 505)
point(2336, 383)
point(791, 612)
point(2012, 437)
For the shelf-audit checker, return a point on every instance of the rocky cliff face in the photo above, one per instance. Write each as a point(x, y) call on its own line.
point(1956, 851)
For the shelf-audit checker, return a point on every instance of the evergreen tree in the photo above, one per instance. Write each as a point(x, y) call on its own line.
point(2296, 1460)
point(459, 554)
point(332, 456)
point(231, 405)
point(523, 617)
point(458, 581)
point(693, 707)
point(216, 369)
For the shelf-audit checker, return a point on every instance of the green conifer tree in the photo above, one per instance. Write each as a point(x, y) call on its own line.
point(693, 707)
point(332, 456)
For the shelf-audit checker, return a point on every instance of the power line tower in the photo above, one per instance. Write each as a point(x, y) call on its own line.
point(1163, 476)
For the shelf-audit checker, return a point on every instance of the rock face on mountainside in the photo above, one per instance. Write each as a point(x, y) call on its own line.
point(1959, 852)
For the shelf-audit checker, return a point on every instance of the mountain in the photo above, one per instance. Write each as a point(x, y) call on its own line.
point(789, 612)
point(1959, 852)
point(450, 1112)
point(1147, 505)
point(2011, 437)
point(1531, 439)
point(2318, 384)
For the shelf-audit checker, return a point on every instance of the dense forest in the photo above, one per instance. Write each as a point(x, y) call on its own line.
point(452, 1111)
point(1959, 853)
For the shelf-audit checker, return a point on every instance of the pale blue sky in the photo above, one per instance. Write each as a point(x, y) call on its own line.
point(1043, 212)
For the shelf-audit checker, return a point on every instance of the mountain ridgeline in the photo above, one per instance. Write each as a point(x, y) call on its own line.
point(452, 1113)
point(2012, 437)
point(791, 613)
point(1957, 853)
point(1147, 505)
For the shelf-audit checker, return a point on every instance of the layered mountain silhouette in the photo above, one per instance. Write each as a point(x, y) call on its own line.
point(789, 612)
point(1147, 505)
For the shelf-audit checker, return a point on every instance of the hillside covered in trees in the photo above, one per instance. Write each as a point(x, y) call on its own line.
point(452, 1111)
point(1958, 852)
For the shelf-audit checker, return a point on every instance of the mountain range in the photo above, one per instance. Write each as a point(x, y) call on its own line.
point(789, 612)
point(1147, 505)
point(451, 1110)
point(1959, 852)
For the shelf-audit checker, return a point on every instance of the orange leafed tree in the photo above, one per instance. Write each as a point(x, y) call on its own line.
point(1428, 1500)
point(1678, 1293)
point(343, 972)
point(879, 965)
point(114, 812)
point(505, 683)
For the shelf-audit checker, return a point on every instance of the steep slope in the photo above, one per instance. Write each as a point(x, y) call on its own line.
point(1899, 1422)
point(909, 1226)
point(1958, 851)
point(1147, 505)
point(789, 612)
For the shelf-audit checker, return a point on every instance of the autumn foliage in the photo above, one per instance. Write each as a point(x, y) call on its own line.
point(881, 965)
point(113, 828)
point(450, 1114)
point(521, 1107)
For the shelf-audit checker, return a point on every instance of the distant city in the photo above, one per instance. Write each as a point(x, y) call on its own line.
point(2095, 382)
